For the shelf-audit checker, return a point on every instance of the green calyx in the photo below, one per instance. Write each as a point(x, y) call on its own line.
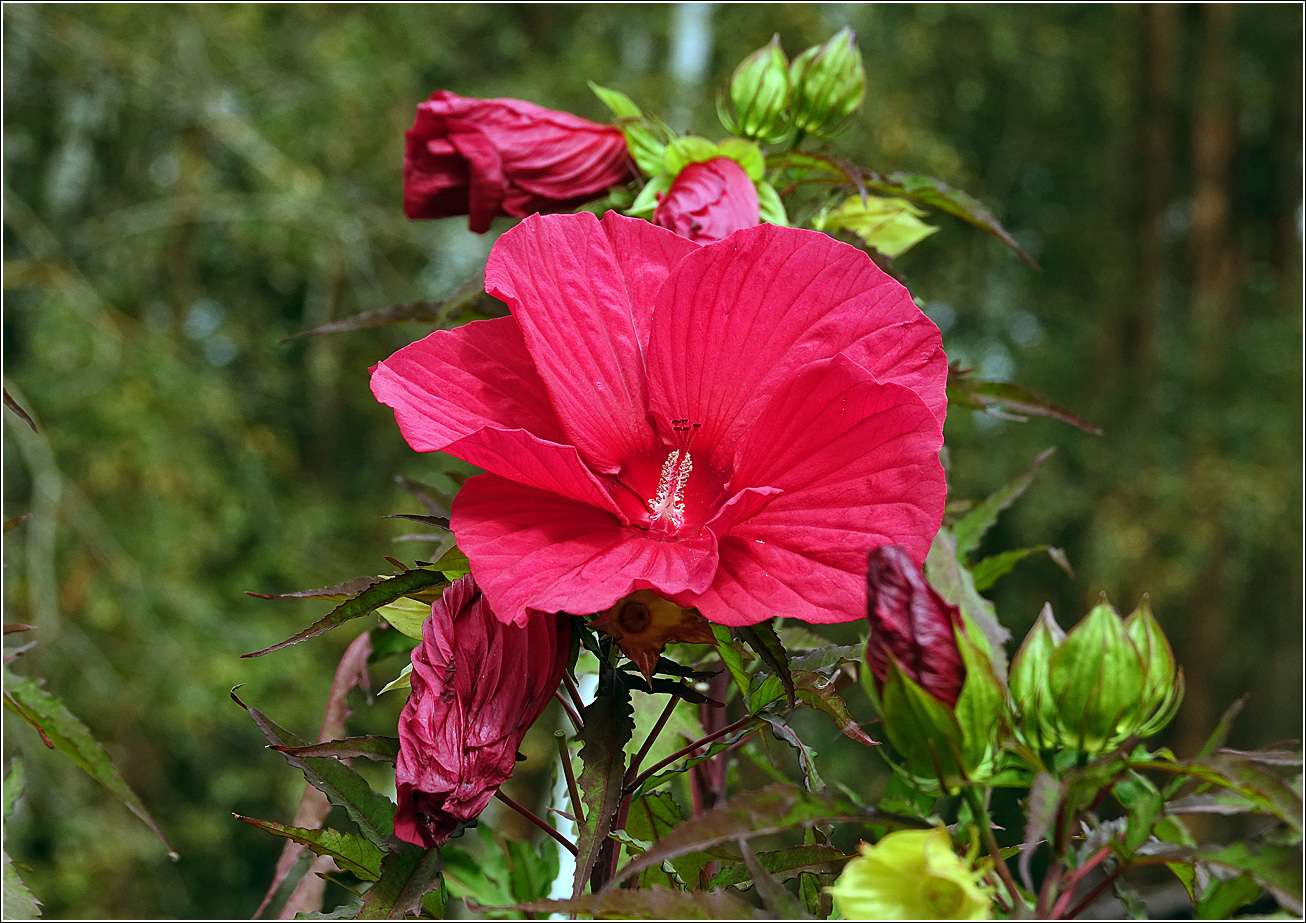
point(828, 84)
point(1092, 689)
point(759, 96)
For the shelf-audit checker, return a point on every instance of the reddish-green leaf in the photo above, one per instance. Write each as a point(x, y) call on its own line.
point(344, 590)
point(766, 643)
point(778, 807)
point(351, 852)
point(656, 903)
point(469, 302)
point(384, 749)
point(374, 813)
point(13, 405)
point(19, 902)
point(964, 391)
point(62, 730)
point(366, 602)
point(407, 875)
point(971, 527)
point(785, 864)
point(609, 724)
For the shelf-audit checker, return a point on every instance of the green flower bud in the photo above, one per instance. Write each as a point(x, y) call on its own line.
point(911, 875)
point(1034, 704)
point(1092, 689)
point(827, 83)
point(1163, 688)
point(759, 96)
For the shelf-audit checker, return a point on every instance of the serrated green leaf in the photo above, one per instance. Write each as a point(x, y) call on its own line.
point(890, 225)
point(975, 394)
point(783, 806)
point(530, 871)
point(344, 590)
point(970, 529)
point(1225, 895)
point(608, 726)
point(732, 655)
point(351, 852)
point(656, 903)
point(806, 755)
point(832, 655)
point(19, 902)
point(343, 786)
point(955, 584)
point(407, 875)
point(65, 732)
point(1142, 803)
point(383, 749)
point(988, 571)
point(364, 603)
point(766, 644)
point(785, 864)
point(815, 691)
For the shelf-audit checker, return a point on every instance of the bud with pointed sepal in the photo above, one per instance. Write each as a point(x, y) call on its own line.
point(827, 85)
point(759, 96)
point(943, 703)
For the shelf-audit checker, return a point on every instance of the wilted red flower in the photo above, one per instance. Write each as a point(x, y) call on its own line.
point(709, 201)
point(911, 623)
point(732, 425)
point(491, 157)
point(477, 685)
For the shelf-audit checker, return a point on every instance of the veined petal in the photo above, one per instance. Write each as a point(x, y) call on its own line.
point(646, 253)
point(561, 277)
point(737, 320)
point(857, 463)
point(533, 549)
point(454, 382)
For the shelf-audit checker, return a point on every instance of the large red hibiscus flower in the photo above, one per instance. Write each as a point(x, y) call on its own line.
point(731, 425)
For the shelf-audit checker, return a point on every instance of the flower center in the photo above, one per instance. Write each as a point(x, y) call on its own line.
point(667, 507)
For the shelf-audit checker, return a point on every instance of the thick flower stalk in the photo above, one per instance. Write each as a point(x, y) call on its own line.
point(491, 157)
point(731, 425)
point(709, 201)
point(477, 686)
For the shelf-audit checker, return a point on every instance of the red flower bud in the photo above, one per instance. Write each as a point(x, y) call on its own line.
point(709, 201)
point(911, 623)
point(477, 686)
point(490, 157)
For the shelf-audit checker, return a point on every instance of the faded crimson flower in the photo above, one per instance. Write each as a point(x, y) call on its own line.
point(477, 686)
point(911, 623)
point(731, 425)
point(491, 157)
point(709, 201)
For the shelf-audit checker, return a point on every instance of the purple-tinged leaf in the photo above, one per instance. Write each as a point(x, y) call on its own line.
point(436, 501)
point(407, 875)
point(349, 851)
point(766, 643)
point(440, 522)
point(10, 523)
point(822, 694)
point(608, 726)
point(785, 864)
point(778, 807)
point(345, 590)
point(971, 527)
point(1270, 757)
point(964, 391)
point(13, 405)
point(806, 757)
point(1040, 812)
point(365, 603)
point(828, 656)
point(1270, 794)
point(656, 903)
point(468, 303)
point(382, 749)
point(781, 904)
point(374, 813)
point(12, 627)
point(61, 730)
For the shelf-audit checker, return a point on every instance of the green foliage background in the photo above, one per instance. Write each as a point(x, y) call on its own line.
point(185, 187)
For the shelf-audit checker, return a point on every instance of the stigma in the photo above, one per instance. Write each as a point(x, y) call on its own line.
point(667, 507)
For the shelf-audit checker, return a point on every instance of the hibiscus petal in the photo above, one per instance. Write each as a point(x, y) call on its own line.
point(488, 183)
point(474, 393)
point(532, 549)
point(646, 254)
point(738, 319)
point(857, 463)
point(567, 290)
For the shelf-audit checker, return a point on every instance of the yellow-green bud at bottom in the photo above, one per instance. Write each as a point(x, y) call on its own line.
point(911, 875)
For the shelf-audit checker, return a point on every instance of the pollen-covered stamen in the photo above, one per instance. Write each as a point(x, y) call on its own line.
point(667, 507)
